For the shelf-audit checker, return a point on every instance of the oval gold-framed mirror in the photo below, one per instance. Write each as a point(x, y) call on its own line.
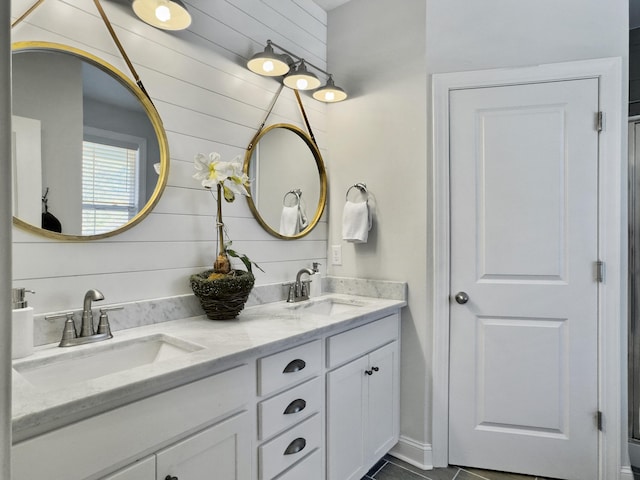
point(288, 181)
point(90, 153)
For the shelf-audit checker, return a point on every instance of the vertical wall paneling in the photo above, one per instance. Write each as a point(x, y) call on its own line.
point(5, 246)
point(208, 101)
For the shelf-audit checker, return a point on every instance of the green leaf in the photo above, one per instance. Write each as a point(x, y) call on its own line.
point(247, 262)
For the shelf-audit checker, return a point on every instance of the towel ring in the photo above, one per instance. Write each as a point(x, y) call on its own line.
point(296, 192)
point(360, 186)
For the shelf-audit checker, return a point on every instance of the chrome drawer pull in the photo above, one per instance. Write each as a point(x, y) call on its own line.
point(294, 366)
point(295, 406)
point(296, 446)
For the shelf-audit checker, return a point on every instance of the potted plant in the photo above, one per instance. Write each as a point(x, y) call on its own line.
point(222, 290)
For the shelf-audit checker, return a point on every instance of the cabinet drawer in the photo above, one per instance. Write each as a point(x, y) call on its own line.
point(354, 343)
point(288, 408)
point(290, 447)
point(308, 469)
point(289, 367)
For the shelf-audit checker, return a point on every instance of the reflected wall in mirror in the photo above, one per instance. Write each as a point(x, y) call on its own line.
point(87, 138)
point(288, 181)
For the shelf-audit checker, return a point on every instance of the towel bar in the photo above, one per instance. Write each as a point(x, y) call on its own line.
point(296, 192)
point(360, 186)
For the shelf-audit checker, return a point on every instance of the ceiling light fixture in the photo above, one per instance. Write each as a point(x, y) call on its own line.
point(330, 93)
point(269, 63)
point(163, 14)
point(301, 78)
point(295, 72)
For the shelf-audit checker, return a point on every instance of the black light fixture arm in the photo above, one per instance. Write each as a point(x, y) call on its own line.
point(299, 59)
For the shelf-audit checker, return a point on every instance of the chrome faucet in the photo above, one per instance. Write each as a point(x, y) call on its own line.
point(299, 290)
point(86, 328)
point(87, 332)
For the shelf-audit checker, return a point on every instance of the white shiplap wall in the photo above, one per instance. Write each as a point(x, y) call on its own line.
point(208, 101)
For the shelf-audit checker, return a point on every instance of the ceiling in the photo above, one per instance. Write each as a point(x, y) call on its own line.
point(330, 4)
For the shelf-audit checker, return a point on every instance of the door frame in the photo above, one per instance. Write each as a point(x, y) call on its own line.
point(612, 242)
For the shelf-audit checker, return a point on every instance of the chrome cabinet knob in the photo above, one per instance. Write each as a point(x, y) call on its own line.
point(462, 298)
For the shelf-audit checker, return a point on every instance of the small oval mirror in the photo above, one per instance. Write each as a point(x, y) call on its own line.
point(289, 181)
point(90, 153)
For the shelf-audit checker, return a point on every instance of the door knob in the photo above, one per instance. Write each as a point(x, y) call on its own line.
point(462, 298)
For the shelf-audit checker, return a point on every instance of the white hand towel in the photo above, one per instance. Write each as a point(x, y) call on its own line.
point(356, 222)
point(303, 221)
point(289, 221)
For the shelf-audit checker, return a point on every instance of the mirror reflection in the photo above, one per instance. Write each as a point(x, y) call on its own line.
point(288, 188)
point(90, 154)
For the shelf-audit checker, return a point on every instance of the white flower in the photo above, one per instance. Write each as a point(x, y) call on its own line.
point(212, 171)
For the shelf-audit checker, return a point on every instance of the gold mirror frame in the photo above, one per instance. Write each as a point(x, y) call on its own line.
point(321, 173)
point(152, 114)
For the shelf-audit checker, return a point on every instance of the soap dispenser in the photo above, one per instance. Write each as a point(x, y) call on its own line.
point(22, 324)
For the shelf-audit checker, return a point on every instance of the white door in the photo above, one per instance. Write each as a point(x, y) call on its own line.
point(523, 352)
point(221, 452)
point(346, 420)
point(381, 429)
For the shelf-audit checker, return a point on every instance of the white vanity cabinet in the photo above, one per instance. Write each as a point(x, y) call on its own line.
point(362, 397)
point(197, 431)
point(290, 414)
point(144, 469)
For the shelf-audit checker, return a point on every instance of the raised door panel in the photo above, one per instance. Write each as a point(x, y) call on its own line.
point(346, 418)
point(221, 452)
point(142, 470)
point(381, 429)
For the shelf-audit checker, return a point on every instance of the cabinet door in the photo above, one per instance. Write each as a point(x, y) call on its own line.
point(346, 389)
point(141, 470)
point(221, 452)
point(381, 429)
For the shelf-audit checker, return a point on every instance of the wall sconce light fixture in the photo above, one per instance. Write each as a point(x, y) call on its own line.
point(295, 72)
point(163, 14)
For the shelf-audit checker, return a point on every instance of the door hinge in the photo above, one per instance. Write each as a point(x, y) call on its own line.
point(599, 420)
point(599, 121)
point(600, 271)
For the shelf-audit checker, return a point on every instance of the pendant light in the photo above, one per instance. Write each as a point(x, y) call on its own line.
point(330, 93)
point(163, 14)
point(301, 78)
point(268, 63)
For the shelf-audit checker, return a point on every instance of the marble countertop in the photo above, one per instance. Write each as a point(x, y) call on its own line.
point(258, 331)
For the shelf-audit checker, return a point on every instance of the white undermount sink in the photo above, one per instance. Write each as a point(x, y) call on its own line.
point(326, 306)
point(78, 364)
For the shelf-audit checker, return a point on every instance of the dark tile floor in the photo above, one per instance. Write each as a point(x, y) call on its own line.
point(390, 468)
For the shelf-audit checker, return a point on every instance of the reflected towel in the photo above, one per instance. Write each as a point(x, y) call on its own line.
point(303, 221)
point(289, 221)
point(356, 222)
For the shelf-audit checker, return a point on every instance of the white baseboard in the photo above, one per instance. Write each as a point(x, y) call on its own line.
point(417, 454)
point(626, 474)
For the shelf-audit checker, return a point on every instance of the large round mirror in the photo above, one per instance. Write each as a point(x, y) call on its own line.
point(288, 181)
point(90, 154)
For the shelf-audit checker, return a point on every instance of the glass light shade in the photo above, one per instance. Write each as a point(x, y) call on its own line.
point(268, 63)
point(330, 93)
point(301, 79)
point(163, 14)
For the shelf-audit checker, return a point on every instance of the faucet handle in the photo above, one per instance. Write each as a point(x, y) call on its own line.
point(103, 323)
point(69, 330)
point(291, 291)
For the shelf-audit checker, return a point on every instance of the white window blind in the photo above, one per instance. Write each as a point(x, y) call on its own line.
point(109, 187)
